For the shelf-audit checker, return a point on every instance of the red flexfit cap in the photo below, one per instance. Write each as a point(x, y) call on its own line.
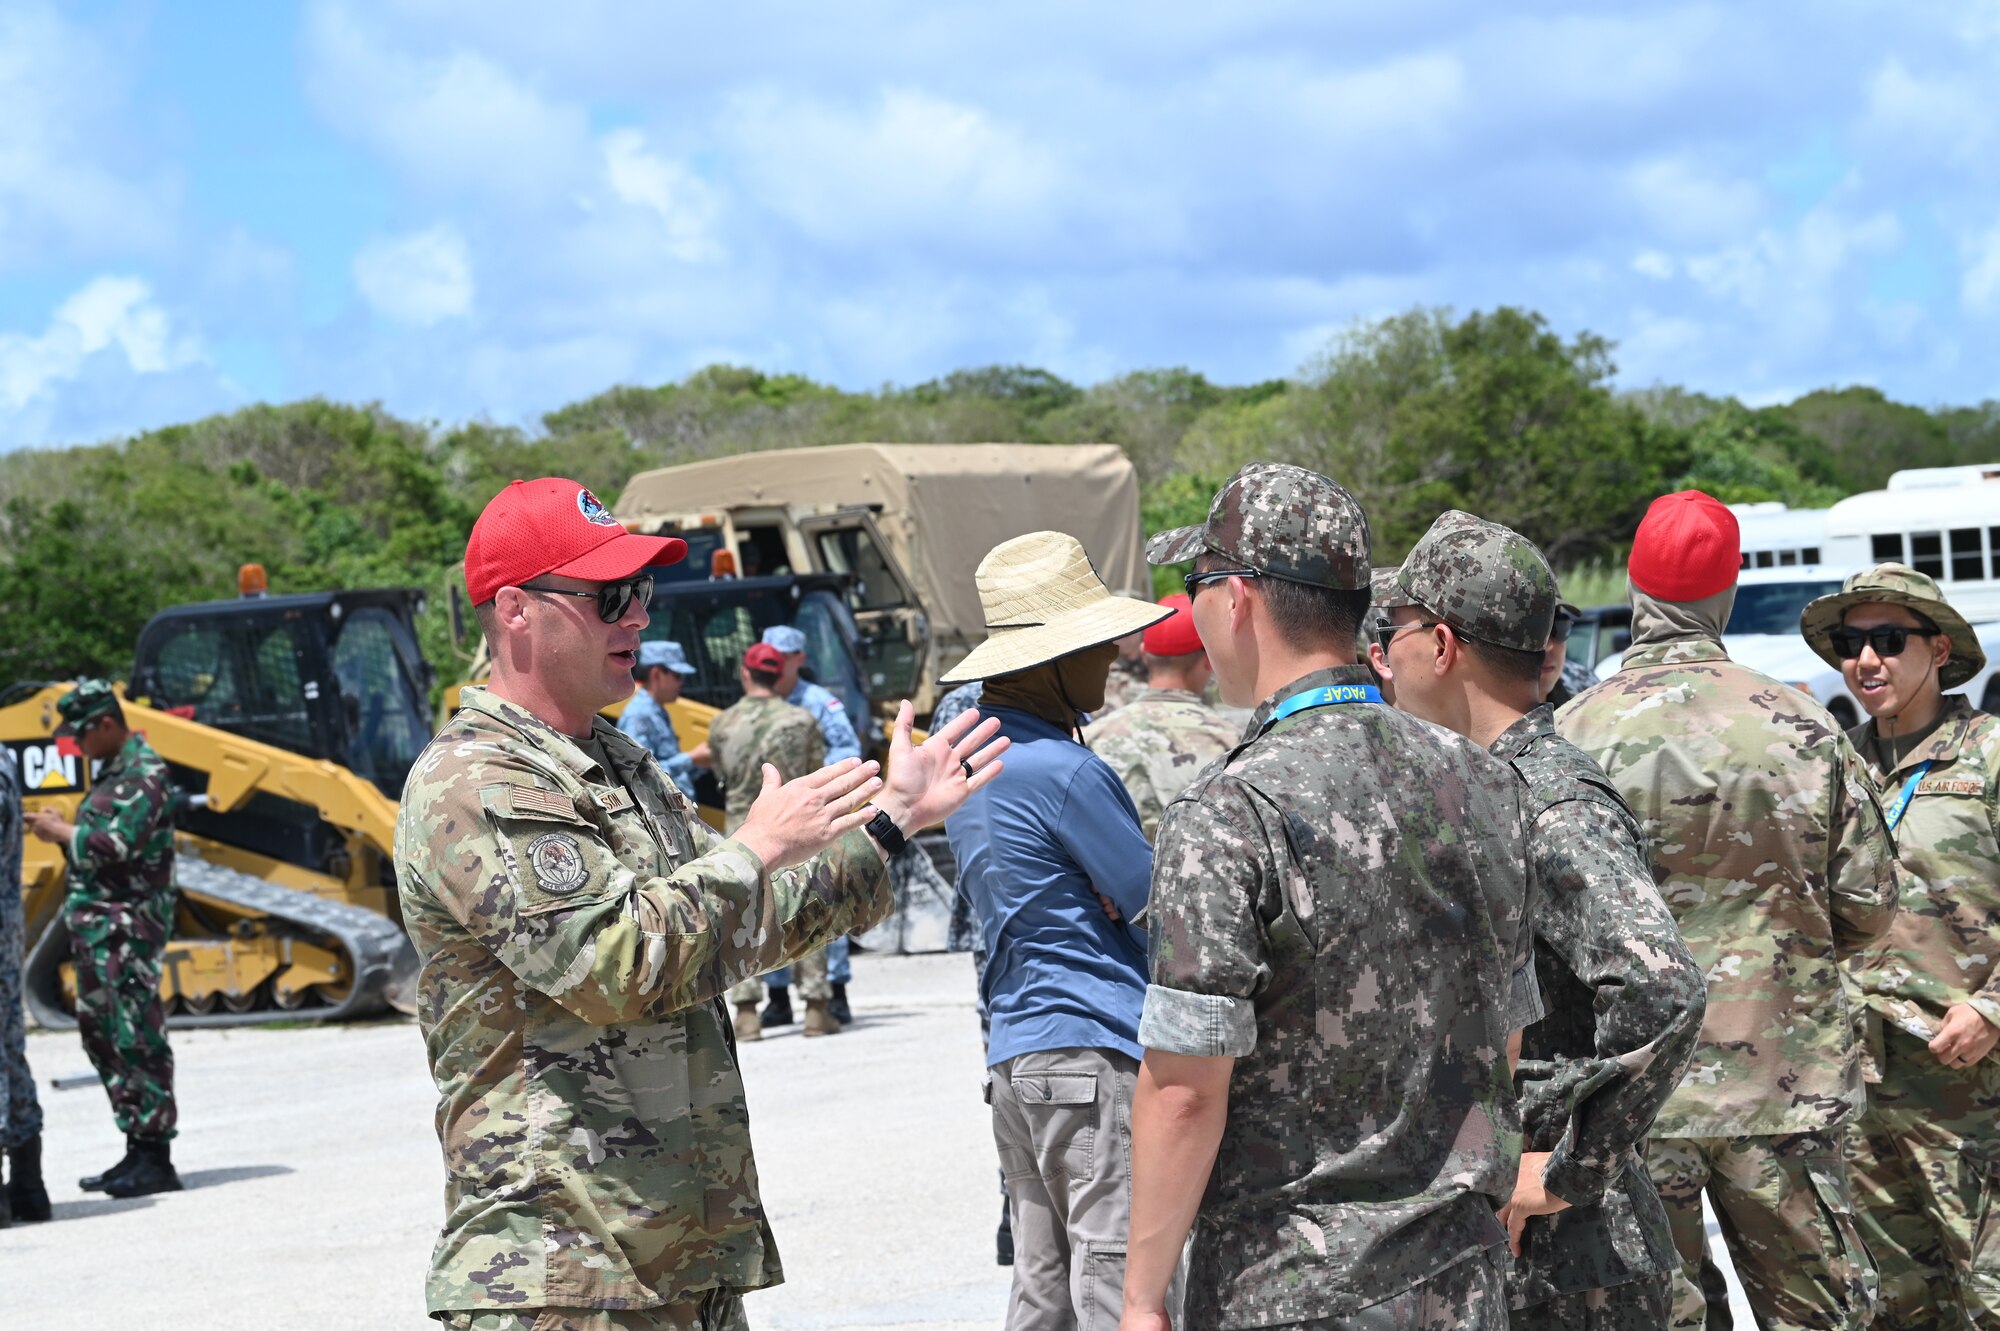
point(1174, 635)
point(1687, 548)
point(555, 526)
point(763, 656)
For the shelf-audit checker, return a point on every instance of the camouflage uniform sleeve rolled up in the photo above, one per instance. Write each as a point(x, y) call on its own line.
point(111, 827)
point(536, 884)
point(1209, 957)
point(1861, 874)
point(1599, 912)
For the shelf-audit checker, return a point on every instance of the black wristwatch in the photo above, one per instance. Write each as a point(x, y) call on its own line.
point(887, 835)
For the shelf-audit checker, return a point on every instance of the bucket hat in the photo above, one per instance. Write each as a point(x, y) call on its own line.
point(1041, 599)
point(1895, 584)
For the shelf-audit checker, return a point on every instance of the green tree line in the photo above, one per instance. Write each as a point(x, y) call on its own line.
point(1494, 412)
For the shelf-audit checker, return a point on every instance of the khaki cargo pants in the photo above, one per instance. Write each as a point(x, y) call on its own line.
point(809, 975)
point(1062, 1119)
point(1925, 1162)
point(1788, 1218)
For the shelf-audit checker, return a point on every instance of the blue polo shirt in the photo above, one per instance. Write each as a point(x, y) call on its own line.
point(1034, 848)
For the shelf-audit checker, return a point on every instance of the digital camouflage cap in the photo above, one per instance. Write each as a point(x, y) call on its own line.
point(1487, 581)
point(90, 699)
point(1283, 521)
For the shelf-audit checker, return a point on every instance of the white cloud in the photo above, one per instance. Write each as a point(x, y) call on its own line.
point(422, 278)
point(1936, 116)
point(1687, 201)
point(1979, 285)
point(1653, 264)
point(110, 328)
point(683, 203)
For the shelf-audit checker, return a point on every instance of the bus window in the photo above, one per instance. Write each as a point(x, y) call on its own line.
point(1809, 555)
point(1968, 561)
point(1788, 558)
point(1927, 553)
point(1888, 547)
point(1993, 544)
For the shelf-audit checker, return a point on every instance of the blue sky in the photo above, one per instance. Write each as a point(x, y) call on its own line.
point(482, 208)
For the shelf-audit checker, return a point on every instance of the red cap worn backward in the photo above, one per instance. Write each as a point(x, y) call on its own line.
point(1687, 548)
point(763, 656)
point(1175, 635)
point(553, 525)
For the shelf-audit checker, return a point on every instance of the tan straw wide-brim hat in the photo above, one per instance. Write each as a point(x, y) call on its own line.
point(1042, 600)
point(1895, 584)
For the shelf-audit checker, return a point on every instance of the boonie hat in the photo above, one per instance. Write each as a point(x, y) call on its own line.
point(1285, 522)
point(84, 703)
point(1895, 584)
point(763, 656)
point(785, 638)
point(1042, 600)
point(1487, 581)
point(553, 525)
point(1687, 548)
point(668, 654)
point(1175, 635)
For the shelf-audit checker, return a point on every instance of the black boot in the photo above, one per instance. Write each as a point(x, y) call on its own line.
point(153, 1173)
point(1003, 1242)
point(778, 1012)
point(98, 1182)
point(837, 1005)
point(26, 1196)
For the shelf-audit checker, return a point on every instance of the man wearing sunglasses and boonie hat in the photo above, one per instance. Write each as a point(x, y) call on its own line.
point(1056, 868)
point(1925, 1154)
point(1769, 847)
point(578, 925)
point(1336, 933)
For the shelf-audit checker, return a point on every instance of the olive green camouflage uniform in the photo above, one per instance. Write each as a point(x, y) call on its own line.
point(1769, 847)
point(748, 734)
point(1925, 1154)
point(1157, 744)
point(1624, 998)
point(1123, 687)
point(576, 928)
point(119, 909)
point(1337, 906)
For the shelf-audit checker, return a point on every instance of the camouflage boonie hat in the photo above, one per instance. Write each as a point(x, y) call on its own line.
point(1486, 581)
point(90, 699)
point(1283, 521)
point(1895, 584)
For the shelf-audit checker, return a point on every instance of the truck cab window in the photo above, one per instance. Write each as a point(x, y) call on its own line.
point(853, 550)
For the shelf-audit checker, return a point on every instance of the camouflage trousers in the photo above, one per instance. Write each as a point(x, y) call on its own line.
point(1925, 1163)
point(1471, 1294)
point(1788, 1218)
point(117, 949)
point(722, 1310)
point(20, 1111)
point(809, 976)
point(1637, 1305)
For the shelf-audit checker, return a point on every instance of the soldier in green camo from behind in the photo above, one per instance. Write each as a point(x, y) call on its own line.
point(120, 914)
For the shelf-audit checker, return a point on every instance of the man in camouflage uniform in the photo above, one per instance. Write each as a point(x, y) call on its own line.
point(120, 915)
point(759, 728)
point(1337, 948)
point(1158, 742)
point(1470, 621)
point(25, 1199)
point(1128, 671)
point(578, 925)
point(1924, 1157)
point(1770, 849)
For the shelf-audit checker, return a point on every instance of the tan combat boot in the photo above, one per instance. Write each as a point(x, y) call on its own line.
point(818, 1020)
point(748, 1025)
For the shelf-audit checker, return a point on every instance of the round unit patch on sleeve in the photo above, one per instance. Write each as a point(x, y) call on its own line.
point(558, 863)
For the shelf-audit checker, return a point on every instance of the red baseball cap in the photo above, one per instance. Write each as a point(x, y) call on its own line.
point(763, 656)
point(1687, 548)
point(1174, 635)
point(554, 525)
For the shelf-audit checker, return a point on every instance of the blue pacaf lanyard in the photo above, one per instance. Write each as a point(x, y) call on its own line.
point(1330, 696)
point(1896, 810)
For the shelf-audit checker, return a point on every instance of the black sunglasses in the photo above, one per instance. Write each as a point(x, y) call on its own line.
point(1888, 640)
point(1386, 633)
point(613, 599)
point(1559, 631)
point(1194, 580)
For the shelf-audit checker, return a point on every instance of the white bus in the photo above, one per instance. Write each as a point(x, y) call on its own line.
point(1775, 536)
point(1944, 521)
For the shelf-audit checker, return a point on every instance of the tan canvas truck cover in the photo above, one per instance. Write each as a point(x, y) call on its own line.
point(943, 506)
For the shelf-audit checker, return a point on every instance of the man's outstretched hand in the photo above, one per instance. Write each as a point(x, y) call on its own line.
point(792, 822)
point(927, 782)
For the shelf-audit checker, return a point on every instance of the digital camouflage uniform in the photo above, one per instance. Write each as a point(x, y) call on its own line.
point(1157, 744)
point(1770, 850)
point(1337, 906)
point(20, 1111)
point(119, 910)
point(1925, 1155)
point(1624, 999)
point(577, 929)
point(750, 733)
